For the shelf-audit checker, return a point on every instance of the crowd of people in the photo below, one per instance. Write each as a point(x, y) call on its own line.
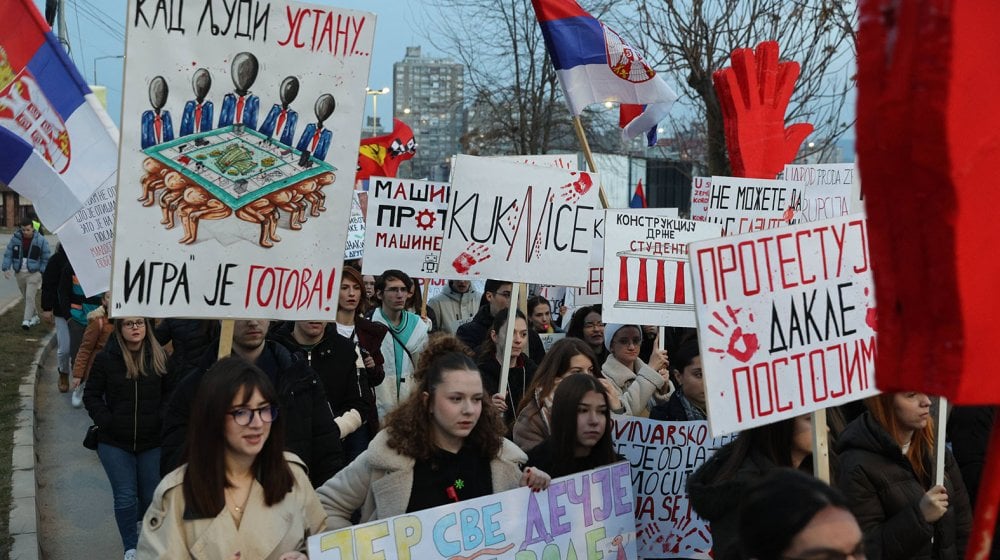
point(313, 425)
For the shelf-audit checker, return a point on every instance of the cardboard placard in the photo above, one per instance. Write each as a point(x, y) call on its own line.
point(405, 226)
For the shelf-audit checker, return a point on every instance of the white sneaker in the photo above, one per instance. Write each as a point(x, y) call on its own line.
point(77, 398)
point(130, 554)
point(34, 321)
point(26, 325)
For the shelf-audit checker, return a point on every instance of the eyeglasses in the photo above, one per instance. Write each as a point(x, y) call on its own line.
point(134, 324)
point(244, 416)
point(505, 295)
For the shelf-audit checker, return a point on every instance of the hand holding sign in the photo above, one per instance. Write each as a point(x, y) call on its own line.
point(754, 94)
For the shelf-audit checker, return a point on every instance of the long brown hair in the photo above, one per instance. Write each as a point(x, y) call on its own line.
point(205, 481)
point(409, 424)
point(554, 364)
point(149, 351)
point(921, 446)
point(565, 403)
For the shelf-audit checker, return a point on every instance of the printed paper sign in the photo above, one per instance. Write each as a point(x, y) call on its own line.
point(89, 237)
point(701, 191)
point(663, 455)
point(355, 246)
point(239, 146)
point(827, 192)
point(744, 205)
point(786, 321)
point(405, 226)
point(524, 223)
point(648, 281)
point(586, 515)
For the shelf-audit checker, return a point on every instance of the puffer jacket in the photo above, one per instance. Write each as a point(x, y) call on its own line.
point(884, 494)
point(453, 309)
point(37, 257)
point(127, 412)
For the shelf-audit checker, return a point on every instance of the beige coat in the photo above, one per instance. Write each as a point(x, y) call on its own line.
point(264, 533)
point(637, 387)
point(530, 428)
point(380, 480)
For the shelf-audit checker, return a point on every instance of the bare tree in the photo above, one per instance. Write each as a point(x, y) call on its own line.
point(693, 38)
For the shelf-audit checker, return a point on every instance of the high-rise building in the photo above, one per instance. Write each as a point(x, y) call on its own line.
point(428, 95)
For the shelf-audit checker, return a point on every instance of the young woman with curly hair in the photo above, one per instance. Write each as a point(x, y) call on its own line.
point(442, 444)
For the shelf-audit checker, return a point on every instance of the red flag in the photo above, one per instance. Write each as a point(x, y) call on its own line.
point(381, 155)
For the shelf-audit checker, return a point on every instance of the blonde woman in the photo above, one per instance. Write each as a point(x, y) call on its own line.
point(125, 392)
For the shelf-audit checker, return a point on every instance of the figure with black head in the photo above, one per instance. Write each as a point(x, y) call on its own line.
point(198, 113)
point(281, 119)
point(240, 106)
point(315, 138)
point(157, 126)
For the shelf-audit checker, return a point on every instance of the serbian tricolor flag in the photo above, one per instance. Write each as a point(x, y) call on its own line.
point(628, 113)
point(46, 102)
point(595, 65)
point(638, 198)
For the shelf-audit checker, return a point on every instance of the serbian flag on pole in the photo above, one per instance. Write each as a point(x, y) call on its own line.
point(595, 65)
point(45, 103)
point(638, 198)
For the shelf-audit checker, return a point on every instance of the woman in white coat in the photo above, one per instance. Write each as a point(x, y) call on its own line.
point(642, 385)
point(443, 444)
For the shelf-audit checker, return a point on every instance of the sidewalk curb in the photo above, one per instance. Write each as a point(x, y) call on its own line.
point(23, 522)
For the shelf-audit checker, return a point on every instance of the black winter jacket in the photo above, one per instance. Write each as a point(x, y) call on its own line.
point(884, 494)
point(518, 379)
point(310, 431)
point(53, 297)
point(192, 340)
point(335, 362)
point(127, 412)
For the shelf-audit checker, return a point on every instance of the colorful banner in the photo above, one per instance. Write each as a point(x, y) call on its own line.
point(586, 515)
point(405, 226)
point(827, 193)
point(786, 321)
point(240, 136)
point(744, 205)
point(648, 280)
point(524, 223)
point(355, 246)
point(663, 455)
point(701, 191)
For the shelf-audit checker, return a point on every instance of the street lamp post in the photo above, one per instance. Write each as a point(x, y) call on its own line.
point(374, 93)
point(104, 58)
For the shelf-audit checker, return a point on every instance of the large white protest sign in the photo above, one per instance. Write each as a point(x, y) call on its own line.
point(524, 223)
point(827, 192)
point(701, 190)
point(405, 226)
point(647, 277)
point(593, 290)
point(586, 515)
point(562, 161)
point(786, 321)
point(239, 147)
point(744, 205)
point(663, 455)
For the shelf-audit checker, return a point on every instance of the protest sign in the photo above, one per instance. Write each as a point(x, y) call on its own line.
point(405, 226)
point(355, 246)
point(827, 190)
point(744, 205)
point(585, 515)
point(663, 455)
point(786, 321)
point(645, 260)
point(524, 223)
point(592, 291)
point(90, 233)
point(701, 190)
point(548, 339)
point(556, 296)
point(239, 147)
point(562, 161)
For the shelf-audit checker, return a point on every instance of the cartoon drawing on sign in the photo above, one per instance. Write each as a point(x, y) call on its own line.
point(737, 337)
point(197, 116)
point(241, 108)
point(210, 174)
point(639, 295)
point(157, 126)
point(315, 139)
point(281, 119)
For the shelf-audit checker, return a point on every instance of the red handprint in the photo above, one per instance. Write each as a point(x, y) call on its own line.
point(571, 192)
point(474, 254)
point(738, 337)
point(754, 94)
point(871, 315)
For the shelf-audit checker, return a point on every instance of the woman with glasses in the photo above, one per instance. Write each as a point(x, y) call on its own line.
point(125, 393)
point(238, 495)
point(534, 412)
point(587, 325)
point(642, 386)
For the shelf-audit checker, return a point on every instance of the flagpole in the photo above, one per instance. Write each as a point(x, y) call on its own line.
point(582, 136)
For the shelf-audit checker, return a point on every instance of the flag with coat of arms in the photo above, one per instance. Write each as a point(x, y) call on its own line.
point(595, 65)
